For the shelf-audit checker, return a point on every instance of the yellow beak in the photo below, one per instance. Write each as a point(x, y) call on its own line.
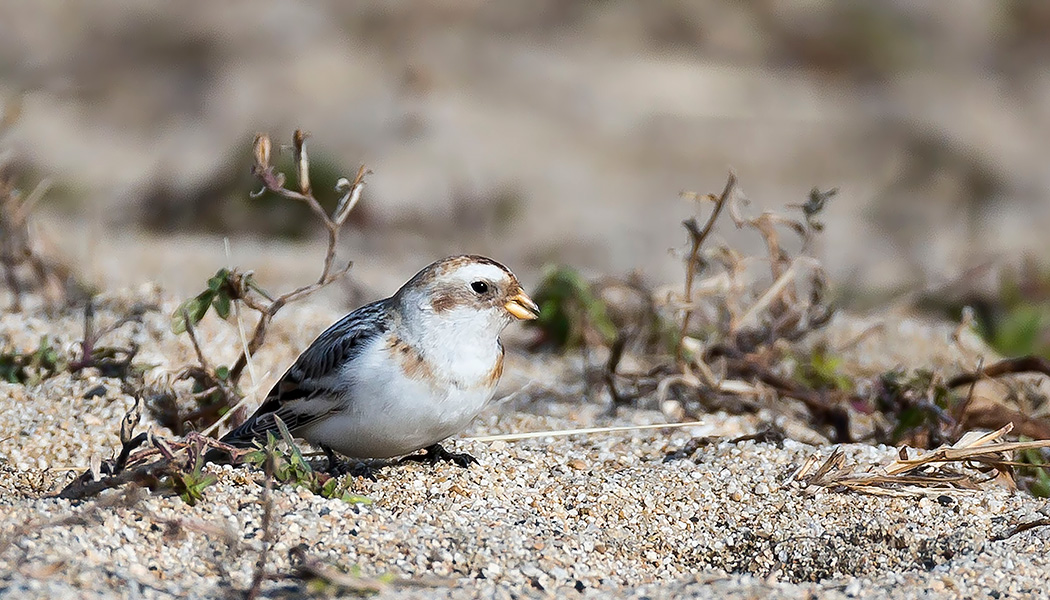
point(522, 307)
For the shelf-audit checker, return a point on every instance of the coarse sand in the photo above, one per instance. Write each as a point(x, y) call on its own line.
point(598, 515)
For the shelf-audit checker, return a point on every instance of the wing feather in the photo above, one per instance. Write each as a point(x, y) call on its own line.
point(309, 389)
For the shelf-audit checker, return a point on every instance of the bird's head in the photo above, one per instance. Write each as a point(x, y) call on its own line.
point(470, 292)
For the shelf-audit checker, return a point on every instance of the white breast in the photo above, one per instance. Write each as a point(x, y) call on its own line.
point(387, 414)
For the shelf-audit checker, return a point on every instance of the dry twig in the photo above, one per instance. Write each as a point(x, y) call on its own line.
point(313, 570)
point(216, 390)
point(997, 415)
point(1021, 528)
point(960, 468)
point(694, 261)
point(274, 182)
point(743, 344)
point(129, 498)
point(1009, 366)
point(268, 531)
point(18, 252)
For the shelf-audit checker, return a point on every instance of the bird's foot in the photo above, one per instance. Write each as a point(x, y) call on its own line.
point(355, 468)
point(436, 453)
point(337, 468)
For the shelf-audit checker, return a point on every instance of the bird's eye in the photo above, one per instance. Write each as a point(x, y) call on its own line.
point(479, 287)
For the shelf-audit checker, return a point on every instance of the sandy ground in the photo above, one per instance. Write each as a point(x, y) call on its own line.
point(589, 515)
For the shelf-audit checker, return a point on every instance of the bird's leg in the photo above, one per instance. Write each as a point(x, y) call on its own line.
point(436, 452)
point(335, 466)
point(338, 467)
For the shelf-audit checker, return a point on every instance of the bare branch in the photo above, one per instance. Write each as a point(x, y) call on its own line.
point(193, 339)
point(333, 224)
point(696, 238)
point(1023, 364)
point(268, 530)
point(302, 163)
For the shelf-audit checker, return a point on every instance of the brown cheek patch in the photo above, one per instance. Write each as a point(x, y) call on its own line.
point(446, 301)
point(411, 362)
point(493, 377)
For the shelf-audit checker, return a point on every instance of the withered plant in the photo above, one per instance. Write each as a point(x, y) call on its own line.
point(175, 465)
point(734, 322)
point(960, 468)
point(215, 389)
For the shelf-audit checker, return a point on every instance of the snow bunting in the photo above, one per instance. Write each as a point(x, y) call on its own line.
point(401, 374)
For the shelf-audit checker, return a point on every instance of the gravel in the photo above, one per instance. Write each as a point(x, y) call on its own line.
point(587, 515)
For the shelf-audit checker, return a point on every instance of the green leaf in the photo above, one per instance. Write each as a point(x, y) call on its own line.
point(569, 307)
point(218, 279)
point(1041, 486)
point(195, 308)
point(822, 371)
point(222, 372)
point(329, 488)
point(355, 499)
point(255, 457)
point(909, 419)
point(297, 456)
point(222, 304)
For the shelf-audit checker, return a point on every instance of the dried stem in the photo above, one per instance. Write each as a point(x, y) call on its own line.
point(145, 468)
point(128, 499)
point(1021, 528)
point(696, 239)
point(818, 403)
point(615, 356)
point(268, 531)
point(274, 182)
point(193, 339)
point(935, 472)
point(1009, 366)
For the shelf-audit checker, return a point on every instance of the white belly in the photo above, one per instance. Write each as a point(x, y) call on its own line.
point(385, 414)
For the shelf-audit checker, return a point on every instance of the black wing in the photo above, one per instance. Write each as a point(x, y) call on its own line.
point(306, 391)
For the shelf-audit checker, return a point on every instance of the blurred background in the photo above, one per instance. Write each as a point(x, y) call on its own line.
point(535, 132)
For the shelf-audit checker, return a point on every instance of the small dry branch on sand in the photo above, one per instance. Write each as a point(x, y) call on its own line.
point(273, 182)
point(215, 387)
point(961, 468)
point(740, 323)
point(325, 579)
point(165, 465)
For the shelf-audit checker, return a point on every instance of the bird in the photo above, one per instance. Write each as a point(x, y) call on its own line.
point(401, 374)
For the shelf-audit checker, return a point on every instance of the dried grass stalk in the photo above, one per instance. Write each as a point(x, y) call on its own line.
point(964, 467)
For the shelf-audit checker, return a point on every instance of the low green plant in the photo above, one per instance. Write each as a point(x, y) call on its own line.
point(190, 485)
point(822, 371)
point(215, 387)
point(222, 289)
point(915, 403)
point(288, 466)
point(29, 368)
point(1034, 471)
point(1017, 321)
point(569, 309)
point(1019, 330)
